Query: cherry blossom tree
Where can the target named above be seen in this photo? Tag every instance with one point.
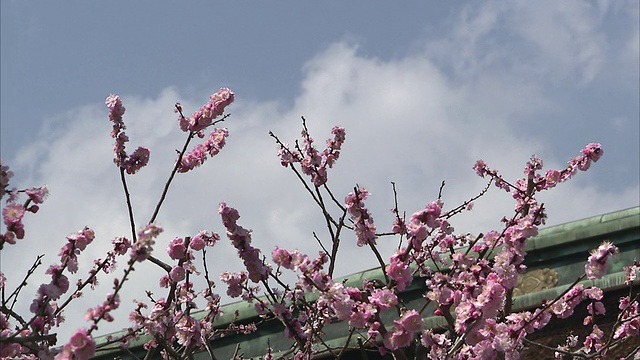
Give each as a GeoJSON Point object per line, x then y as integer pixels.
{"type": "Point", "coordinates": [469, 279]}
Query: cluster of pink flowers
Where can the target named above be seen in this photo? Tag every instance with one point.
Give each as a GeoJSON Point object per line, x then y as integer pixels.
{"type": "Point", "coordinates": [46, 312]}
{"type": "Point", "coordinates": [403, 330]}
{"type": "Point", "coordinates": [204, 117]}
{"type": "Point", "coordinates": [241, 239]}
{"type": "Point", "coordinates": [198, 155]}
{"type": "Point", "coordinates": [142, 248]}
{"type": "Point", "coordinates": [470, 280]}
{"type": "Point", "coordinates": [597, 262]}
{"type": "Point", "coordinates": [362, 219]}
{"type": "Point", "coordinates": [13, 212]}
{"type": "Point", "coordinates": [5, 176]}
{"type": "Point", "coordinates": [80, 347]}
{"type": "Point", "coordinates": [140, 157]}
{"type": "Point", "coordinates": [314, 163]}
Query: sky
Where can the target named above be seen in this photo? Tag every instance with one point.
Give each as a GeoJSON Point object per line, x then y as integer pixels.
{"type": "Point", "coordinates": [423, 89]}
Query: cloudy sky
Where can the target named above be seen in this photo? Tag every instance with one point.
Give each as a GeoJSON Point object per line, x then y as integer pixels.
{"type": "Point", "coordinates": [423, 90]}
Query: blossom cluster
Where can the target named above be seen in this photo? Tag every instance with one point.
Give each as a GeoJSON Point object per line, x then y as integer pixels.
{"type": "Point", "coordinates": [13, 212]}
{"type": "Point", "coordinates": [313, 162]}
{"type": "Point", "coordinates": [362, 219]}
{"type": "Point", "coordinates": [140, 156]}
{"type": "Point", "coordinates": [167, 319]}
{"type": "Point", "coordinates": [198, 155]}
{"type": "Point", "coordinates": [241, 239]}
{"type": "Point", "coordinates": [47, 314]}
{"type": "Point", "coordinates": [142, 248]}
{"type": "Point", "coordinates": [204, 117]}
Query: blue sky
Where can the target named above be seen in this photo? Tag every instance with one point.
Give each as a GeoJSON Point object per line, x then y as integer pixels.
{"type": "Point", "coordinates": [423, 90]}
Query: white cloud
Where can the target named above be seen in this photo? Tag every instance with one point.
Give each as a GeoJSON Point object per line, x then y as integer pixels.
{"type": "Point", "coordinates": [409, 120]}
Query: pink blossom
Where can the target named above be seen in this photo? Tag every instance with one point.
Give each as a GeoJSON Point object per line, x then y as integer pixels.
{"type": "Point", "coordinates": [12, 214]}
{"type": "Point", "coordinates": [313, 162]}
{"type": "Point", "coordinates": [59, 283]}
{"type": "Point", "coordinates": [383, 298]}
{"type": "Point", "coordinates": [141, 250]}
{"type": "Point", "coordinates": [552, 177]}
{"type": "Point", "coordinates": [593, 341]}
{"type": "Point", "coordinates": [481, 168]}
{"type": "Point", "coordinates": [235, 281]}
{"type": "Point", "coordinates": [288, 156]}
{"type": "Point", "coordinates": [428, 215]}
{"type": "Point", "coordinates": [177, 273]}
{"type": "Point", "coordinates": [399, 271]}
{"type": "Point", "coordinates": [82, 238]}
{"type": "Point", "coordinates": [37, 195]}
{"type": "Point", "coordinates": [466, 313]}
{"type": "Point", "coordinates": [121, 245]}
{"type": "Point", "coordinates": [411, 321]}
{"type": "Point", "coordinates": [397, 338]}
{"type": "Point", "coordinates": [137, 160]}
{"type": "Point", "coordinates": [492, 297]}
{"type": "Point", "coordinates": [177, 249]}
{"type": "Point", "coordinates": [203, 239]}
{"type": "Point", "coordinates": [80, 347]}
{"type": "Point", "coordinates": [102, 311]}
{"type": "Point", "coordinates": [593, 151]}
{"type": "Point", "coordinates": [631, 272]}
{"type": "Point", "coordinates": [282, 257]}
{"type": "Point", "coordinates": [360, 315]}
{"type": "Point", "coordinates": [629, 319]}
{"type": "Point", "coordinates": [597, 262]}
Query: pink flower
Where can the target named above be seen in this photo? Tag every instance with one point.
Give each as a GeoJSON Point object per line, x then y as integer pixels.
{"type": "Point", "coordinates": [235, 281]}
{"type": "Point", "coordinates": [399, 271]}
{"type": "Point", "coordinates": [282, 257]}
{"type": "Point", "coordinates": [383, 298]}
{"type": "Point", "coordinates": [429, 215]}
{"type": "Point", "coordinates": [593, 151]}
{"type": "Point", "coordinates": [177, 274]}
{"type": "Point", "coordinates": [80, 347]}
{"type": "Point", "coordinates": [361, 314]}
{"type": "Point", "coordinates": [552, 177]}
{"type": "Point", "coordinates": [177, 249]}
{"type": "Point", "coordinates": [12, 214]}
{"type": "Point", "coordinates": [593, 341]}
{"type": "Point", "coordinates": [411, 321]}
{"type": "Point", "coordinates": [82, 238]}
{"type": "Point", "coordinates": [141, 250]}
{"type": "Point", "coordinates": [121, 245]}
{"type": "Point", "coordinates": [629, 319]}
{"type": "Point", "coordinates": [481, 168]}
{"type": "Point", "coordinates": [631, 272]}
{"type": "Point", "coordinates": [397, 338]}
{"type": "Point", "coordinates": [597, 262]}
{"type": "Point", "coordinates": [137, 160]}
{"type": "Point", "coordinates": [37, 195]}
{"type": "Point", "coordinates": [203, 239]}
